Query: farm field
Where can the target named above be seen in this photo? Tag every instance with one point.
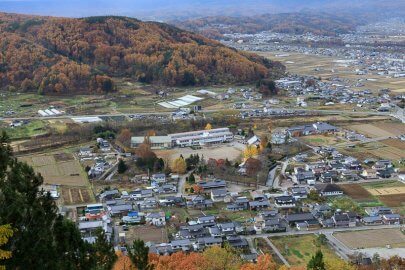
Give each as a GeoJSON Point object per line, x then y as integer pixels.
{"type": "Point", "coordinates": [327, 67]}
{"type": "Point", "coordinates": [229, 151]}
{"type": "Point", "coordinates": [76, 196]}
{"type": "Point", "coordinates": [317, 140]}
{"type": "Point", "coordinates": [378, 150]}
{"type": "Point", "coordinates": [371, 238]}
{"type": "Point", "coordinates": [379, 130]}
{"type": "Point", "coordinates": [299, 249]}
{"type": "Point", "coordinates": [58, 169]}
{"type": "Point", "coordinates": [356, 192]}
{"type": "Point", "coordinates": [387, 191]}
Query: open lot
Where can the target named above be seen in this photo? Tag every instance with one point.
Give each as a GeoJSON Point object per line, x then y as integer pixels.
{"type": "Point", "coordinates": [221, 151]}
{"type": "Point", "coordinates": [146, 233]}
{"type": "Point", "coordinates": [56, 171]}
{"type": "Point", "coordinates": [299, 249]}
{"type": "Point", "coordinates": [371, 238]}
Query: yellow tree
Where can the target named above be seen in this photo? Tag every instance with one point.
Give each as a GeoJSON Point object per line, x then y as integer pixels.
{"type": "Point", "coordinates": [5, 233]}
{"type": "Point", "coordinates": [337, 264]}
{"type": "Point", "coordinates": [250, 151]}
{"type": "Point", "coordinates": [208, 126]}
{"type": "Point", "coordinates": [217, 258]}
{"type": "Point", "coordinates": [264, 262]}
{"type": "Point", "coordinates": [179, 165]}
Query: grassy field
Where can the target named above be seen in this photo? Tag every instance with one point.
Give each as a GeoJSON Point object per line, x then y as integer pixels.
{"type": "Point", "coordinates": [372, 238]}
{"type": "Point", "coordinates": [26, 131]}
{"type": "Point", "coordinates": [299, 249]}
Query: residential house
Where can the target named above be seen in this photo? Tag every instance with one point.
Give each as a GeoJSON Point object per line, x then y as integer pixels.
{"type": "Point", "coordinates": [218, 195]}
{"type": "Point", "coordinates": [299, 193]}
{"type": "Point", "coordinates": [166, 188]}
{"type": "Point", "coordinates": [156, 218]}
{"type": "Point", "coordinates": [210, 185]}
{"type": "Point", "coordinates": [85, 151]}
{"type": "Point", "coordinates": [391, 219]}
{"type": "Point", "coordinates": [159, 178]}
{"type": "Point", "coordinates": [299, 217]}
{"type": "Point", "coordinates": [378, 211]}
{"type": "Point", "coordinates": [372, 220]}
{"type": "Point", "coordinates": [238, 242]}
{"type": "Point", "coordinates": [181, 245]}
{"type": "Point", "coordinates": [120, 210]}
{"type": "Point", "coordinates": [258, 205]}
{"type": "Point", "coordinates": [327, 190]}
{"type": "Point", "coordinates": [141, 194]}
{"type": "Point", "coordinates": [147, 204]}
{"type": "Point", "coordinates": [321, 211]}
{"type": "Point", "coordinates": [284, 201]}
{"type": "Point", "coordinates": [200, 202]}
{"type": "Point", "coordinates": [205, 242]}
{"type": "Point", "coordinates": [206, 221]}
{"type": "Point", "coordinates": [344, 219]}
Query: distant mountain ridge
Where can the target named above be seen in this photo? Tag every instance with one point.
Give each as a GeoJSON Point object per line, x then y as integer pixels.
{"type": "Point", "coordinates": [294, 23]}
{"type": "Point", "coordinates": [64, 55]}
{"type": "Point", "coordinates": [186, 9]}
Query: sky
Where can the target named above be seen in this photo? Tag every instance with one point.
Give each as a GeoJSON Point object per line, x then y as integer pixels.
{"type": "Point", "coordinates": [169, 9]}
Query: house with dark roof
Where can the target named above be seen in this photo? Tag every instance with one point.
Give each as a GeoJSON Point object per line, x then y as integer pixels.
{"type": "Point", "coordinates": [208, 241]}
{"type": "Point", "coordinates": [284, 201]}
{"type": "Point", "coordinates": [327, 190]}
{"type": "Point", "coordinates": [292, 219]}
{"type": "Point", "coordinates": [206, 221]}
{"type": "Point", "coordinates": [238, 242]}
{"type": "Point", "coordinates": [207, 186]}
{"type": "Point", "coordinates": [299, 193]}
{"type": "Point", "coordinates": [181, 245]}
{"type": "Point", "coordinates": [344, 219]}
{"type": "Point", "coordinates": [218, 195]}
{"type": "Point", "coordinates": [258, 205]}
{"type": "Point", "coordinates": [372, 220]}
{"type": "Point", "coordinates": [391, 219]}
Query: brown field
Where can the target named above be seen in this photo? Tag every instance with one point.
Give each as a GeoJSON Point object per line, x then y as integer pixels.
{"type": "Point", "coordinates": [371, 238]}
{"type": "Point", "coordinates": [356, 191]}
{"type": "Point", "coordinates": [396, 200]}
{"type": "Point", "coordinates": [76, 196]}
{"type": "Point", "coordinates": [57, 172]}
{"type": "Point", "coordinates": [396, 143]}
{"type": "Point", "coordinates": [380, 130]}
{"type": "Point", "coordinates": [63, 157]}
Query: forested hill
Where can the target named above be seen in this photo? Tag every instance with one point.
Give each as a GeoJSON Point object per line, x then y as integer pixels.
{"type": "Point", "coordinates": [63, 55]}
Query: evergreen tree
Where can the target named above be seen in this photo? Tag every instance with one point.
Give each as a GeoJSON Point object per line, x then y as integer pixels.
{"type": "Point", "coordinates": [104, 251]}
{"type": "Point", "coordinates": [122, 167]}
{"type": "Point", "coordinates": [191, 178]}
{"type": "Point", "coordinates": [139, 255]}
{"type": "Point", "coordinates": [42, 239]}
{"type": "Point", "coordinates": [316, 262]}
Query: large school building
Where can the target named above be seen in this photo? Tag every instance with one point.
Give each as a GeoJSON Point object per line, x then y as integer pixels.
{"type": "Point", "coordinates": [186, 139]}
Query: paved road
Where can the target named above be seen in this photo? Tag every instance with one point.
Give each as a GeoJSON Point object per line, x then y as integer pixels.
{"type": "Point", "coordinates": [271, 177]}
{"type": "Point", "coordinates": [180, 186]}
{"type": "Point", "coordinates": [203, 111]}
{"type": "Point", "coordinates": [323, 231]}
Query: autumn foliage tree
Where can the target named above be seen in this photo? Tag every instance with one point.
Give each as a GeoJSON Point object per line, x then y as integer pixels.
{"type": "Point", "coordinates": [61, 55]}
{"type": "Point", "coordinates": [179, 165]}
{"type": "Point", "coordinates": [5, 233]}
{"type": "Point", "coordinates": [250, 151]}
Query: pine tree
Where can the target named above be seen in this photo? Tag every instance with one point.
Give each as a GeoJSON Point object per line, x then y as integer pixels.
{"type": "Point", "coordinates": [122, 167]}
{"type": "Point", "coordinates": [316, 262]}
{"type": "Point", "coordinates": [104, 251]}
{"type": "Point", "coordinates": [139, 255]}
{"type": "Point", "coordinates": [191, 178]}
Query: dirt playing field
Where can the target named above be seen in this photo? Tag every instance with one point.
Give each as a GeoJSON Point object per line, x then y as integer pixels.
{"type": "Point", "coordinates": [379, 130]}
{"type": "Point", "coordinates": [371, 238]}
{"type": "Point", "coordinates": [229, 151]}
{"type": "Point", "coordinates": [57, 169]}
{"type": "Point", "coordinates": [356, 192]}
